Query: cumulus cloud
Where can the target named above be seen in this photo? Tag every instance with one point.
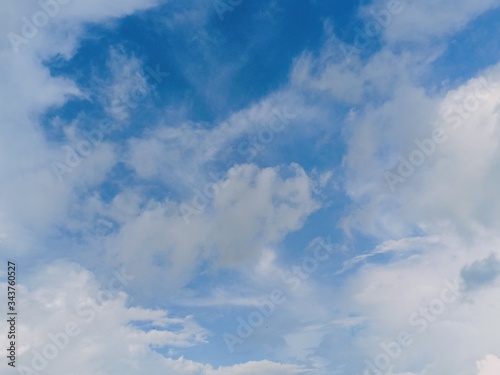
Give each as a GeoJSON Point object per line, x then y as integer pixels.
{"type": "Point", "coordinates": [230, 226]}
{"type": "Point", "coordinates": [392, 158]}
{"type": "Point", "coordinates": [490, 365]}
{"type": "Point", "coordinates": [446, 201]}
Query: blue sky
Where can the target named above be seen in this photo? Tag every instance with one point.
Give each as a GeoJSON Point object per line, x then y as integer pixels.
{"type": "Point", "coordinates": [231, 187]}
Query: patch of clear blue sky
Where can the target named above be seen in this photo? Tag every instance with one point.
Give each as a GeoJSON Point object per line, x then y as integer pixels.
{"type": "Point", "coordinates": [261, 45]}
{"type": "Point", "coordinates": [468, 52]}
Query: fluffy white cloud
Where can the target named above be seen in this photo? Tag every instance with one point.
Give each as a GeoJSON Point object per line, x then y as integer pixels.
{"type": "Point", "coordinates": [454, 138]}
{"type": "Point", "coordinates": [451, 135]}
{"type": "Point", "coordinates": [446, 204]}
{"type": "Point", "coordinates": [490, 365]}
{"type": "Point", "coordinates": [418, 293]}
{"type": "Point", "coordinates": [33, 199]}
{"type": "Point", "coordinates": [229, 224]}
{"type": "Point", "coordinates": [67, 320]}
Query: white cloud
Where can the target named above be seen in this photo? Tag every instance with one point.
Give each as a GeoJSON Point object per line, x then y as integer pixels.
{"type": "Point", "coordinates": [33, 199]}
{"type": "Point", "coordinates": [468, 156]}
{"type": "Point", "coordinates": [251, 208]}
{"type": "Point", "coordinates": [262, 367]}
{"type": "Point", "coordinates": [395, 297]}
{"type": "Point", "coordinates": [56, 29]}
{"type": "Point", "coordinates": [490, 365]}
{"type": "Point", "coordinates": [448, 203]}
{"type": "Point", "coordinates": [157, 153]}
{"type": "Point", "coordinates": [105, 327]}
{"type": "Point", "coordinates": [420, 21]}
